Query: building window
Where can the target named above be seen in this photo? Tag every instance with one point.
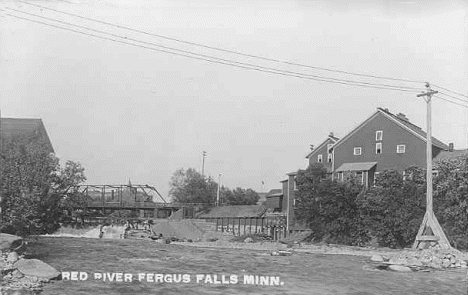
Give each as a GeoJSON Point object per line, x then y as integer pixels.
{"type": "Point", "coordinates": [401, 149]}
{"type": "Point", "coordinates": [295, 184]}
{"type": "Point", "coordinates": [330, 157]}
{"type": "Point", "coordinates": [357, 151]}
{"type": "Point", "coordinates": [320, 158]}
{"type": "Point", "coordinates": [329, 146]}
{"type": "Point", "coordinates": [378, 135]}
{"type": "Point", "coordinates": [378, 148]}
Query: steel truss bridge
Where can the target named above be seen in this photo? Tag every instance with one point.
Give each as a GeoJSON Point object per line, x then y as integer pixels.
{"type": "Point", "coordinates": [137, 197]}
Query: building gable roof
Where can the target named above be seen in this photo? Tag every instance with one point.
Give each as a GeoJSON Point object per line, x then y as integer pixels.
{"type": "Point", "coordinates": [410, 127]}
{"type": "Point", "coordinates": [331, 138]}
{"type": "Point", "coordinates": [11, 127]}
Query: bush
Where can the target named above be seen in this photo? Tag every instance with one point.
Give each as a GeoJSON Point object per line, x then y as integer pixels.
{"type": "Point", "coordinates": [393, 210]}
{"type": "Point", "coordinates": [329, 207]}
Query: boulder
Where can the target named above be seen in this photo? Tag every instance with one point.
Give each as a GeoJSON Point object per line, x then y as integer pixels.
{"type": "Point", "coordinates": [12, 257]}
{"type": "Point", "coordinates": [248, 240]}
{"type": "Point", "coordinates": [36, 268]}
{"type": "Point", "coordinates": [377, 258]}
{"type": "Point", "coordinates": [10, 242]}
{"type": "Point", "coordinates": [399, 268]}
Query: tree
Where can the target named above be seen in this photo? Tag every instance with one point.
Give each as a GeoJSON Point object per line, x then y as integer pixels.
{"type": "Point", "coordinates": [329, 207]}
{"type": "Point", "coordinates": [240, 196]}
{"type": "Point", "coordinates": [33, 186]}
{"type": "Point", "coordinates": [451, 199]}
{"type": "Point", "coordinates": [189, 186]}
{"type": "Point", "coordinates": [393, 209]}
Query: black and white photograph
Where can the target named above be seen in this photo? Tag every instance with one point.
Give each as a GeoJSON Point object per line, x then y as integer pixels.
{"type": "Point", "coordinates": [270, 147]}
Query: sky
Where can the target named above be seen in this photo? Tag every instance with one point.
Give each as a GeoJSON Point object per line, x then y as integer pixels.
{"type": "Point", "coordinates": [133, 113]}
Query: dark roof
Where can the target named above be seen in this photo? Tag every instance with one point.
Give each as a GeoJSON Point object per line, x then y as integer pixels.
{"type": "Point", "coordinates": [234, 211]}
{"type": "Point", "coordinates": [358, 166]}
{"type": "Point", "coordinates": [416, 129]}
{"type": "Point", "coordinates": [11, 127]}
{"type": "Point", "coordinates": [444, 155]}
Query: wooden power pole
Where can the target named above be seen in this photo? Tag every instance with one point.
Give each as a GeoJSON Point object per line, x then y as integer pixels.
{"type": "Point", "coordinates": [430, 232]}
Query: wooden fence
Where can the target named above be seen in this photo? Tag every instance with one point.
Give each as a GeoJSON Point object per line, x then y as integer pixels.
{"type": "Point", "coordinates": [238, 226]}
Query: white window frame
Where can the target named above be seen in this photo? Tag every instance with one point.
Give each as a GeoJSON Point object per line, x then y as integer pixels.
{"type": "Point", "coordinates": [329, 146]}
{"type": "Point", "coordinates": [399, 151]}
{"type": "Point", "coordinates": [356, 149]}
{"type": "Point", "coordinates": [378, 135]}
{"type": "Point", "coordinates": [378, 146]}
{"type": "Point", "coordinates": [320, 158]}
{"type": "Point", "coordinates": [295, 183]}
{"type": "Point", "coordinates": [330, 158]}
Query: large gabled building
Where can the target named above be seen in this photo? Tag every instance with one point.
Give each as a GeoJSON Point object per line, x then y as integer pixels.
{"type": "Point", "coordinates": [323, 153]}
{"type": "Point", "coordinates": [384, 141]}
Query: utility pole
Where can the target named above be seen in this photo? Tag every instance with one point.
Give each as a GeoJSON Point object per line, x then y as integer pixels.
{"type": "Point", "coordinates": [219, 186]}
{"type": "Point", "coordinates": [203, 163]}
{"type": "Point", "coordinates": [430, 232]}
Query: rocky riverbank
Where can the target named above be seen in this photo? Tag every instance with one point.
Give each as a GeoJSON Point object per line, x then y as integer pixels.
{"type": "Point", "coordinates": [19, 273]}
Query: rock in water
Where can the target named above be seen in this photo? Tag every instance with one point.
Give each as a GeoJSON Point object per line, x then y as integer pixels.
{"type": "Point", "coordinates": [8, 242]}
{"type": "Point", "coordinates": [36, 268]}
{"type": "Point", "coordinates": [12, 257]}
{"type": "Point", "coordinates": [248, 240]}
{"type": "Point", "coordinates": [399, 268]}
{"type": "Point", "coordinates": [377, 258]}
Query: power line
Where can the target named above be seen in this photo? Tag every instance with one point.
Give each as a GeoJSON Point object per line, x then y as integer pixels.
{"type": "Point", "coordinates": [451, 96]}
{"type": "Point", "coordinates": [222, 49]}
{"type": "Point", "coordinates": [457, 93]}
{"type": "Point", "coordinates": [450, 101]}
{"type": "Point", "coordinates": [231, 63]}
{"type": "Point", "coordinates": [213, 57]}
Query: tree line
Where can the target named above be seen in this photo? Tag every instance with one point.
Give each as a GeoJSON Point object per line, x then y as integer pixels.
{"type": "Point", "coordinates": [390, 212]}
{"type": "Point", "coordinates": [190, 186]}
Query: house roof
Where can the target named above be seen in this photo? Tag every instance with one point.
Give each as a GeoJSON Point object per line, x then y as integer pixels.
{"type": "Point", "coordinates": [234, 211]}
{"type": "Point", "coordinates": [358, 166]}
{"type": "Point", "coordinates": [415, 129]}
{"type": "Point", "coordinates": [410, 127]}
{"type": "Point", "coordinates": [330, 137]}
{"type": "Point", "coordinates": [11, 127]}
{"type": "Point", "coordinates": [444, 155]}
{"type": "Point", "coordinates": [274, 192]}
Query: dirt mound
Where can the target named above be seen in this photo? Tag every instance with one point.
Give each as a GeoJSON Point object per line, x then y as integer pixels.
{"type": "Point", "coordinates": [184, 229]}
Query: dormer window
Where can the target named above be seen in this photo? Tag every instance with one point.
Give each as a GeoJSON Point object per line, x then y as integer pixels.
{"type": "Point", "coordinates": [378, 148]}
{"type": "Point", "coordinates": [320, 158]}
{"type": "Point", "coordinates": [357, 151]}
{"type": "Point", "coordinates": [378, 135]}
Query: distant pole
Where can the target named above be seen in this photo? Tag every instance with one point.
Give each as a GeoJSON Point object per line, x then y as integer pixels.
{"type": "Point", "coordinates": [203, 163]}
{"type": "Point", "coordinates": [430, 232]}
{"type": "Point", "coordinates": [219, 186]}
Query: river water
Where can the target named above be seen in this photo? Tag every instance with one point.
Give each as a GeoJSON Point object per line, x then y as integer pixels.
{"type": "Point", "coordinates": [146, 267]}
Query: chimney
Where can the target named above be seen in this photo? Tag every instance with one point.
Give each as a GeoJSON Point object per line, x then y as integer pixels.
{"type": "Point", "coordinates": [331, 134]}
{"type": "Point", "coordinates": [402, 117]}
{"type": "Point", "coordinates": [451, 147]}
{"type": "Point", "coordinates": [311, 147]}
